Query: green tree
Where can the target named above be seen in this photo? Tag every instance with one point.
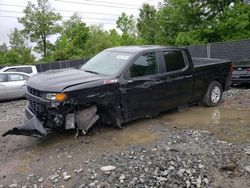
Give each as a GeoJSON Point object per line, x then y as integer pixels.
{"type": "Point", "coordinates": [19, 44]}
{"type": "Point", "coordinates": [234, 24]}
{"type": "Point", "coordinates": [127, 25]}
{"type": "Point", "coordinates": [40, 22]}
{"type": "Point", "coordinates": [97, 41]}
{"type": "Point", "coordinates": [178, 16]}
{"type": "Point", "coordinates": [146, 23]}
{"type": "Point", "coordinates": [11, 57]}
{"type": "Point", "coordinates": [3, 48]}
{"type": "Point", "coordinates": [71, 43]}
{"type": "Point", "coordinates": [17, 41]}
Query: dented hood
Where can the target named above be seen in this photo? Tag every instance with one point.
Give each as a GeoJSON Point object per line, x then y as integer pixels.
{"type": "Point", "coordinates": [57, 80]}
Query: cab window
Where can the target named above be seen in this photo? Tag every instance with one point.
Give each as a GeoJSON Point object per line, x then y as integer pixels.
{"type": "Point", "coordinates": [2, 78]}
{"type": "Point", "coordinates": [17, 77]}
{"type": "Point", "coordinates": [27, 70]}
{"type": "Point", "coordinates": [144, 65]}
{"type": "Point", "coordinates": [174, 60]}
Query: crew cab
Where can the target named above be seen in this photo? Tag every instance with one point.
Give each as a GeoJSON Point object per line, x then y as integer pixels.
{"type": "Point", "coordinates": [119, 85]}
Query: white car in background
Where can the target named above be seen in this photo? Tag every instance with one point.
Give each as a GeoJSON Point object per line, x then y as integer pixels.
{"type": "Point", "coordinates": [12, 85]}
{"type": "Point", "coordinates": [28, 69]}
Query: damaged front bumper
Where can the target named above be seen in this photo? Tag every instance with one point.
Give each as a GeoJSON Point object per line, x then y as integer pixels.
{"type": "Point", "coordinates": [31, 127]}
{"type": "Point", "coordinates": [38, 127]}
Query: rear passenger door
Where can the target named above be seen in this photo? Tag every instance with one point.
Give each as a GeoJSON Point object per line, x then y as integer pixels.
{"type": "Point", "coordinates": [175, 86]}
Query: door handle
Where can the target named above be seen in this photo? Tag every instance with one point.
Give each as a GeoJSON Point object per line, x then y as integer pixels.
{"type": "Point", "coordinates": [188, 76]}
{"type": "Point", "coordinates": [158, 81]}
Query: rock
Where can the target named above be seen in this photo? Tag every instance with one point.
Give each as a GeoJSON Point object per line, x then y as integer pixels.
{"type": "Point", "coordinates": [161, 179]}
{"type": "Point", "coordinates": [206, 180]}
{"type": "Point", "coordinates": [103, 185]}
{"type": "Point", "coordinates": [35, 186]}
{"type": "Point", "coordinates": [40, 180]}
{"type": "Point", "coordinates": [171, 168]}
{"type": "Point", "coordinates": [55, 180]}
{"type": "Point", "coordinates": [201, 166]}
{"type": "Point", "coordinates": [13, 185]}
{"type": "Point", "coordinates": [180, 172]}
{"type": "Point", "coordinates": [247, 150]}
{"type": "Point", "coordinates": [78, 170]}
{"type": "Point", "coordinates": [247, 168]}
{"type": "Point", "coordinates": [107, 168]}
{"type": "Point", "coordinates": [92, 184]}
{"type": "Point", "coordinates": [188, 184]}
{"type": "Point", "coordinates": [67, 177]}
{"type": "Point", "coordinates": [52, 177]}
{"type": "Point", "coordinates": [65, 173]}
{"type": "Point", "coordinates": [198, 182]}
{"type": "Point", "coordinates": [122, 177]}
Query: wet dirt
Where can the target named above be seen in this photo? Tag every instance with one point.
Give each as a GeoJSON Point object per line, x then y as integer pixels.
{"type": "Point", "coordinates": [230, 121]}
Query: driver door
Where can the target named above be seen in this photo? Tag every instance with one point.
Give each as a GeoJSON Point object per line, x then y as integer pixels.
{"type": "Point", "coordinates": [136, 91]}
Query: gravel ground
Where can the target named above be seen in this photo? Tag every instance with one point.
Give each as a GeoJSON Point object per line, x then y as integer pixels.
{"type": "Point", "coordinates": [148, 153]}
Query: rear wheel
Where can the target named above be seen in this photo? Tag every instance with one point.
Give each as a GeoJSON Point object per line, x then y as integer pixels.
{"type": "Point", "coordinates": [213, 95]}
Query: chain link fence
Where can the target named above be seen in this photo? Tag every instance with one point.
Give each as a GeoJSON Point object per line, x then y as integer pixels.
{"type": "Point", "coordinates": [234, 50]}
{"type": "Point", "coordinates": [60, 65]}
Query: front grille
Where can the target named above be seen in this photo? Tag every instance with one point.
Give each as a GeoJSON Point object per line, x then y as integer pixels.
{"type": "Point", "coordinates": [35, 92]}
{"type": "Point", "coordinates": [38, 108]}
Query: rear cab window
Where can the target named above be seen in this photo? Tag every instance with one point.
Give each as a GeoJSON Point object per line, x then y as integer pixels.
{"type": "Point", "coordinates": [27, 70]}
{"type": "Point", "coordinates": [174, 60]}
{"type": "Point", "coordinates": [144, 65]}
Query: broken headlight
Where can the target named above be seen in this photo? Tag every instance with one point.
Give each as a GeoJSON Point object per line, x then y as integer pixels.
{"type": "Point", "coordinates": [58, 97]}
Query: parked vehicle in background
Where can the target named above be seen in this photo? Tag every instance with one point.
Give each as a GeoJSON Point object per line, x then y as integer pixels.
{"type": "Point", "coordinates": [28, 69]}
{"type": "Point", "coordinates": [119, 85]}
{"type": "Point", "coordinates": [12, 85]}
{"type": "Point", "coordinates": [241, 72]}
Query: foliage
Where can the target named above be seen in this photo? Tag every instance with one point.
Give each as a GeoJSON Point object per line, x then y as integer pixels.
{"type": "Point", "coordinates": [234, 24]}
{"type": "Point", "coordinates": [126, 24]}
{"type": "Point", "coordinates": [40, 22]}
{"type": "Point", "coordinates": [146, 24]}
{"type": "Point", "coordinates": [11, 57]}
{"type": "Point", "coordinates": [71, 43]}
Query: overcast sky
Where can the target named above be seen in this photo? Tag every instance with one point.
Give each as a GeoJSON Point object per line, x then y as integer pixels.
{"type": "Point", "coordinates": [104, 12]}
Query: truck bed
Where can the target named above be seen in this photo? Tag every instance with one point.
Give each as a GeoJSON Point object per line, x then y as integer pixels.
{"type": "Point", "coordinates": [199, 62]}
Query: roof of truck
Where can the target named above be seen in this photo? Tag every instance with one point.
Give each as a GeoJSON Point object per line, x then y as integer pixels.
{"type": "Point", "coordinates": [140, 48]}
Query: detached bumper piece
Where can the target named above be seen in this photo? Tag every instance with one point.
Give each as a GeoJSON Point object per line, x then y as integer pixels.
{"type": "Point", "coordinates": [86, 118]}
{"type": "Point", "coordinates": [32, 127]}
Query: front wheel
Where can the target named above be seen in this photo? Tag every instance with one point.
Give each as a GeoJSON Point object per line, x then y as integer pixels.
{"type": "Point", "coordinates": [213, 95]}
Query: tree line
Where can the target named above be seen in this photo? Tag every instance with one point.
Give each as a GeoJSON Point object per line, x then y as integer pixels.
{"type": "Point", "coordinates": [173, 22]}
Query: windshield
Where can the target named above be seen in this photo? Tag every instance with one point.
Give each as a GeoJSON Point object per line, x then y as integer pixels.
{"type": "Point", "coordinates": [107, 62]}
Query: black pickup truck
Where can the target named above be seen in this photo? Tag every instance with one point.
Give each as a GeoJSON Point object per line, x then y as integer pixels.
{"type": "Point", "coordinates": [119, 85]}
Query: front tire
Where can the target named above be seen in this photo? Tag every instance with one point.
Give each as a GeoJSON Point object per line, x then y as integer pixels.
{"type": "Point", "coordinates": [213, 95]}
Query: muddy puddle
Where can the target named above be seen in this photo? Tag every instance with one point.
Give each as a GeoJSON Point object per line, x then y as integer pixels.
{"type": "Point", "coordinates": [230, 121]}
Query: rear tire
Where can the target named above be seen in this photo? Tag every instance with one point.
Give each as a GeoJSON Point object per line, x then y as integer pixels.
{"type": "Point", "coordinates": [213, 95]}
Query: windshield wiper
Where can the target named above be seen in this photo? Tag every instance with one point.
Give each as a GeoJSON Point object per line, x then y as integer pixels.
{"type": "Point", "coordinates": [91, 71]}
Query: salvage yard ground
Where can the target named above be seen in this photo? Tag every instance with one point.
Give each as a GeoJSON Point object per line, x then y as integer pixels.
{"type": "Point", "coordinates": [189, 147]}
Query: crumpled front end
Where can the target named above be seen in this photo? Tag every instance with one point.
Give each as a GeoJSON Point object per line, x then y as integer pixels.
{"type": "Point", "coordinates": [45, 115]}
